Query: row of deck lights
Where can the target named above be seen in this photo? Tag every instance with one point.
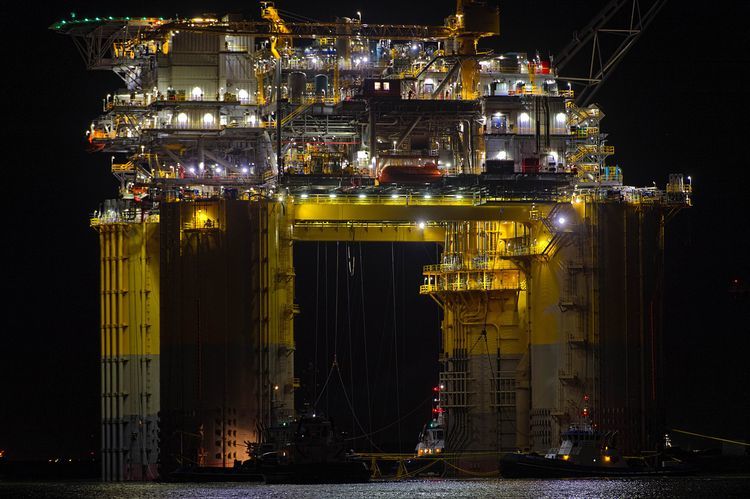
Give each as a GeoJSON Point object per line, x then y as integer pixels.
{"type": "Point", "coordinates": [333, 195]}
{"type": "Point", "coordinates": [216, 169]}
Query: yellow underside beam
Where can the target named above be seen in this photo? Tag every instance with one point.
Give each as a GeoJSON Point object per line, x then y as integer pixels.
{"type": "Point", "coordinates": [366, 212]}
{"type": "Point", "coordinates": [368, 233]}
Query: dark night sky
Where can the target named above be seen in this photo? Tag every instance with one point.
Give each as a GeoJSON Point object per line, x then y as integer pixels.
{"type": "Point", "coordinates": [677, 103]}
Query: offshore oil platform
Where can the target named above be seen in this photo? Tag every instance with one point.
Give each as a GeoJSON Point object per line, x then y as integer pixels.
{"type": "Point", "coordinates": [232, 139]}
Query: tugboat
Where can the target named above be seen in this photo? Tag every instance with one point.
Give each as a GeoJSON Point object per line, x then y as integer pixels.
{"type": "Point", "coordinates": [316, 454]}
{"type": "Point", "coordinates": [431, 439]}
{"type": "Point", "coordinates": [585, 451]}
{"type": "Point", "coordinates": [431, 445]}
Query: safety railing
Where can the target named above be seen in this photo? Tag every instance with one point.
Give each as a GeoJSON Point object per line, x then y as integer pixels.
{"type": "Point", "coordinates": [130, 103]}
{"type": "Point", "coordinates": [128, 215]}
{"type": "Point", "coordinates": [123, 167]}
{"type": "Point", "coordinates": [587, 131]}
{"type": "Point", "coordinates": [590, 150]}
{"type": "Point", "coordinates": [201, 224]}
{"type": "Point", "coordinates": [482, 283]}
{"type": "Point", "coordinates": [496, 262]}
{"type": "Point", "coordinates": [530, 90]}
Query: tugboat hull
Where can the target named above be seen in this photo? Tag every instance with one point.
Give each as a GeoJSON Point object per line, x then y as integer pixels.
{"type": "Point", "coordinates": [531, 466]}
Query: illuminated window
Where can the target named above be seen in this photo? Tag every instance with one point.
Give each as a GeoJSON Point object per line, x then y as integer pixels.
{"type": "Point", "coordinates": [197, 93]}
{"type": "Point", "coordinates": [182, 119]}
{"type": "Point", "coordinates": [377, 85]}
{"type": "Point", "coordinates": [208, 119]}
{"type": "Point", "coordinates": [243, 95]}
{"type": "Point", "coordinates": [524, 121]}
{"type": "Point", "coordinates": [386, 85]}
{"type": "Point", "coordinates": [499, 122]}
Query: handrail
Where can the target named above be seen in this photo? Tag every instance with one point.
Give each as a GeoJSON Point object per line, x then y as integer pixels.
{"type": "Point", "coordinates": [299, 110]}
{"type": "Point", "coordinates": [441, 268]}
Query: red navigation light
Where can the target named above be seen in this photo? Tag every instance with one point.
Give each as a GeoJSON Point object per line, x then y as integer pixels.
{"type": "Point", "coordinates": [586, 398]}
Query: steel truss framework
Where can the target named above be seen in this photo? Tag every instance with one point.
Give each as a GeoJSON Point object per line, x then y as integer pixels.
{"type": "Point", "coordinates": [610, 35]}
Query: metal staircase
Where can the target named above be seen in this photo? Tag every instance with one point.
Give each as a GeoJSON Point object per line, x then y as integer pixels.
{"type": "Point", "coordinates": [299, 110]}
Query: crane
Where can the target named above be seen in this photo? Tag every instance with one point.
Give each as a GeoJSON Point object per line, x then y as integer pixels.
{"type": "Point", "coordinates": [623, 20]}
{"type": "Point", "coordinates": [473, 20]}
{"type": "Point", "coordinates": [270, 13]}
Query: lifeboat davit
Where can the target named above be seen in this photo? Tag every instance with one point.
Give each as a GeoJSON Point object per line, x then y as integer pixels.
{"type": "Point", "coordinates": [410, 174]}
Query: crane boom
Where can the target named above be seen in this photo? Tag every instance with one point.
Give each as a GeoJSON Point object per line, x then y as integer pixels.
{"type": "Point", "coordinates": [623, 19]}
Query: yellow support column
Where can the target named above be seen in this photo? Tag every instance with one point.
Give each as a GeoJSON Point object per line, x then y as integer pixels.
{"type": "Point", "coordinates": [129, 349]}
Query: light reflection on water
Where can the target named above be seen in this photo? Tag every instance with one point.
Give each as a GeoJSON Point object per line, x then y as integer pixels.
{"type": "Point", "coordinates": [698, 487]}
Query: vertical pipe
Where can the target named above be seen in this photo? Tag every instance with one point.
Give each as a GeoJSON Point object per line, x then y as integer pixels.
{"type": "Point", "coordinates": [595, 285]}
{"type": "Point", "coordinates": [546, 122]}
{"type": "Point", "coordinates": [110, 355]}
{"type": "Point", "coordinates": [267, 304]}
{"type": "Point", "coordinates": [225, 374]}
{"type": "Point", "coordinates": [625, 282]}
{"type": "Point", "coordinates": [103, 304]}
{"type": "Point", "coordinates": [588, 261]}
{"type": "Point", "coordinates": [260, 297]}
{"type": "Point", "coordinates": [657, 349]}
{"type": "Point", "coordinates": [279, 159]}
{"type": "Point", "coordinates": [143, 407]}
{"type": "Point", "coordinates": [120, 354]}
{"type": "Point", "coordinates": [373, 136]}
{"type": "Point", "coordinates": [537, 124]}
{"type": "Point", "coordinates": [642, 316]}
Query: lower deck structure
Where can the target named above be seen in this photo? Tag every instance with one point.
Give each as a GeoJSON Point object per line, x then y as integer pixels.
{"type": "Point", "coordinates": [551, 309]}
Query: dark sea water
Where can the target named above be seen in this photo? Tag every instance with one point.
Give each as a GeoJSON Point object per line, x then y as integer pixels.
{"type": "Point", "coordinates": [692, 487]}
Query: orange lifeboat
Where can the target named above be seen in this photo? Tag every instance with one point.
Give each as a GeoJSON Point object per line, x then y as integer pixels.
{"type": "Point", "coordinates": [410, 174]}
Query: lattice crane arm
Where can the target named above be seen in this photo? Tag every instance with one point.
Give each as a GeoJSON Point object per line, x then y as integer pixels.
{"type": "Point", "coordinates": [602, 64]}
